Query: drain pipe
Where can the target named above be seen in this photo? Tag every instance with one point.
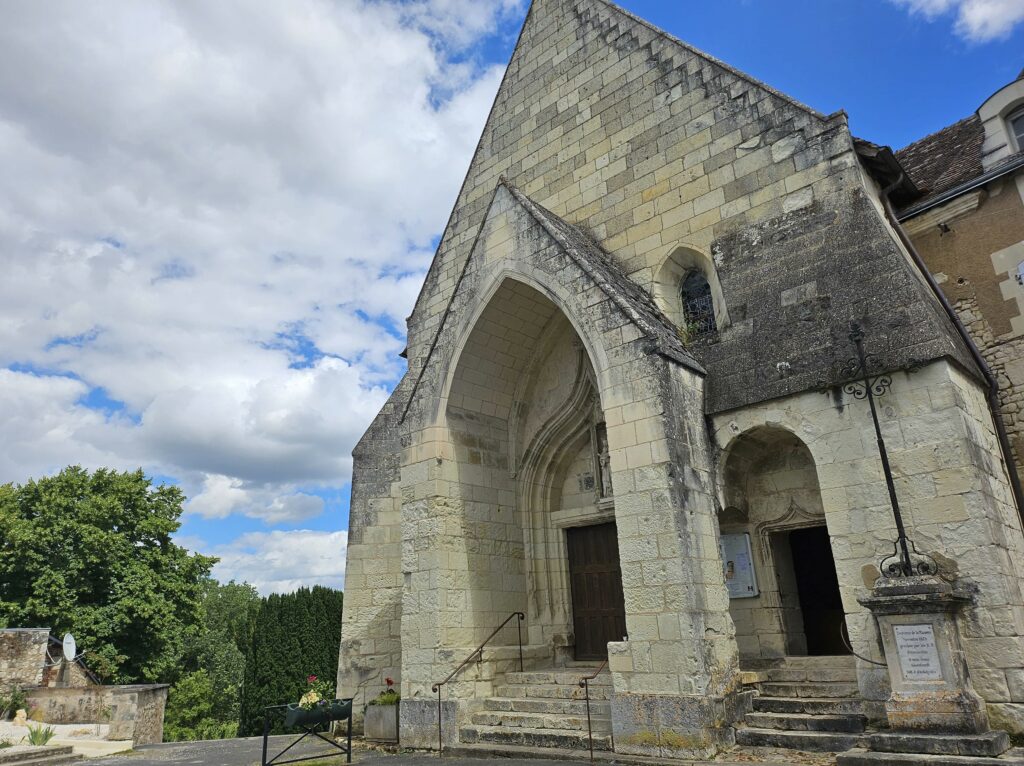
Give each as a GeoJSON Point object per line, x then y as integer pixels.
{"type": "Point", "coordinates": [992, 387]}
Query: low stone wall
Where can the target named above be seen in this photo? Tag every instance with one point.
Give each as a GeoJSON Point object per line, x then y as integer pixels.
{"type": "Point", "coordinates": [133, 712]}
{"type": "Point", "coordinates": [22, 656]}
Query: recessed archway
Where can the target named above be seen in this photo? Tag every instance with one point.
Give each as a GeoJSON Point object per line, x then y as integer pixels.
{"type": "Point", "coordinates": [787, 602]}
{"type": "Point", "coordinates": [523, 421]}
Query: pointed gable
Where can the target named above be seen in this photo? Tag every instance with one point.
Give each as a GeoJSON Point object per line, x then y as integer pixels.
{"type": "Point", "coordinates": [640, 144]}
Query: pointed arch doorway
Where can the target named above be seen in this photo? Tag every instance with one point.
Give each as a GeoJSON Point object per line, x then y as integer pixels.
{"type": "Point", "coordinates": [532, 468]}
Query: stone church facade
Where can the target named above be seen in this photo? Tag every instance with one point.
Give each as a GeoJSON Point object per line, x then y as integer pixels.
{"type": "Point", "coordinates": [627, 416]}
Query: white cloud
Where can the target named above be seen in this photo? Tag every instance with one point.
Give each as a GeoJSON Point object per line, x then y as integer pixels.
{"type": "Point", "coordinates": [280, 562]}
{"type": "Point", "coordinates": [220, 214]}
{"type": "Point", "coordinates": [976, 20]}
{"type": "Point", "coordinates": [222, 496]}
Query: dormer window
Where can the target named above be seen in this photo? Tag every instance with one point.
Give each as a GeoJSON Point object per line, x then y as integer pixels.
{"type": "Point", "coordinates": [698, 307]}
{"type": "Point", "coordinates": [1016, 123]}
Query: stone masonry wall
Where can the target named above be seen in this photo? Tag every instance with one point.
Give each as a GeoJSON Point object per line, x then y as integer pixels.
{"type": "Point", "coordinates": [133, 712]}
{"type": "Point", "coordinates": [954, 498]}
{"type": "Point", "coordinates": [22, 656]}
{"type": "Point", "coordinates": [648, 146]}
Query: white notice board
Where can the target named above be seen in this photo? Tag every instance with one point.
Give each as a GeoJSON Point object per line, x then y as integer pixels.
{"type": "Point", "coordinates": [738, 565]}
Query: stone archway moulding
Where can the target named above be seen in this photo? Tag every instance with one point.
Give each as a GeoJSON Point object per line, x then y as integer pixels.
{"type": "Point", "coordinates": [490, 282]}
{"type": "Point", "coordinates": [679, 259]}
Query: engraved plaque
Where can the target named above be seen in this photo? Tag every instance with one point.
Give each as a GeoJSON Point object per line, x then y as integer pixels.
{"type": "Point", "coordinates": [919, 658]}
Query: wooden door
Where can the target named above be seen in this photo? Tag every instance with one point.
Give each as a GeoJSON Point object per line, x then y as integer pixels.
{"type": "Point", "coordinates": [598, 612]}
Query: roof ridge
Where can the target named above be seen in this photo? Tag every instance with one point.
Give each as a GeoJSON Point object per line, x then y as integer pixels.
{"type": "Point", "coordinates": [714, 60]}
{"type": "Point", "coordinates": [551, 222]}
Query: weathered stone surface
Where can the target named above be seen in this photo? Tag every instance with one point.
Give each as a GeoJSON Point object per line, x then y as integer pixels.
{"type": "Point", "coordinates": [555, 381]}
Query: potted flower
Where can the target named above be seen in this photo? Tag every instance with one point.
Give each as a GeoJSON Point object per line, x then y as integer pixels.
{"type": "Point", "coordinates": [317, 705]}
{"type": "Point", "coordinates": [381, 722]}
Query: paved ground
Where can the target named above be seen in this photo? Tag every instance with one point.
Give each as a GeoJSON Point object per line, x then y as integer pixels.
{"type": "Point", "coordinates": [246, 752]}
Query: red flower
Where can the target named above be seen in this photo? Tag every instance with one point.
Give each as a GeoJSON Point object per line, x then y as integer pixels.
{"type": "Point", "coordinates": [390, 682]}
{"type": "Point", "coordinates": [311, 680]}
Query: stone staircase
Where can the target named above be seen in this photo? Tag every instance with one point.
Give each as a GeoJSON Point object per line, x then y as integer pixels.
{"type": "Point", "coordinates": [37, 756]}
{"type": "Point", "coordinates": [544, 708]}
{"type": "Point", "coordinates": [807, 703]}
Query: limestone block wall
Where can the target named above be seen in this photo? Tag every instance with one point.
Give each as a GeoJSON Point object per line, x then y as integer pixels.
{"type": "Point", "coordinates": [954, 497]}
{"type": "Point", "coordinates": [133, 712]}
{"type": "Point", "coordinates": [647, 146]}
{"type": "Point", "coordinates": [22, 656]}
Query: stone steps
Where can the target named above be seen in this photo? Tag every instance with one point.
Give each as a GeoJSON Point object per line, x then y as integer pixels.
{"type": "Point", "coordinates": [541, 721]}
{"type": "Point", "coordinates": [525, 737]}
{"type": "Point", "coordinates": [803, 675]}
{"type": "Point", "coordinates": [38, 756]}
{"type": "Point", "coordinates": [847, 724]}
{"type": "Point", "coordinates": [830, 690]}
{"type": "Point", "coordinates": [812, 741]}
{"type": "Point", "coordinates": [557, 677]}
{"type": "Point", "coordinates": [552, 691]}
{"type": "Point", "coordinates": [1014, 757]}
{"type": "Point", "coordinates": [807, 703]}
{"type": "Point", "coordinates": [990, 744]}
{"type": "Point", "coordinates": [543, 709]}
{"type": "Point", "coordinates": [810, 705]}
{"type": "Point", "coordinates": [540, 705]}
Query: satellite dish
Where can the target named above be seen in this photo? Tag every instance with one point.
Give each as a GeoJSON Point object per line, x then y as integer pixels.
{"type": "Point", "coordinates": [70, 647]}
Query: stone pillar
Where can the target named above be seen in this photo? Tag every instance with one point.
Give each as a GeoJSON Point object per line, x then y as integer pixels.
{"type": "Point", "coordinates": [931, 687]}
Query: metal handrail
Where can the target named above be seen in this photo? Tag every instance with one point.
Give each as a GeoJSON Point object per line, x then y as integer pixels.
{"type": "Point", "coordinates": [585, 685]}
{"type": "Point", "coordinates": [479, 654]}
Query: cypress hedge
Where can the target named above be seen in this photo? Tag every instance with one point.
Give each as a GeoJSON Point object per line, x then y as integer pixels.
{"type": "Point", "coordinates": [295, 635]}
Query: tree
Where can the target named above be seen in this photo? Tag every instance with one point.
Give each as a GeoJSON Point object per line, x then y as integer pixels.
{"type": "Point", "coordinates": [295, 635]}
{"type": "Point", "coordinates": [92, 554]}
{"type": "Point", "coordinates": [193, 715]}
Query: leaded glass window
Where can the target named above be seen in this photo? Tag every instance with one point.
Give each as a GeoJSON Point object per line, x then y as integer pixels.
{"type": "Point", "coordinates": [698, 308]}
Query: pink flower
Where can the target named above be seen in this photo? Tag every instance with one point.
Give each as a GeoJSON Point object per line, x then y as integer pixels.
{"type": "Point", "coordinates": [311, 679]}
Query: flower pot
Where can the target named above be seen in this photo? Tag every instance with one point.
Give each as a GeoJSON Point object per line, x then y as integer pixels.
{"type": "Point", "coordinates": [332, 710]}
{"type": "Point", "coordinates": [381, 723]}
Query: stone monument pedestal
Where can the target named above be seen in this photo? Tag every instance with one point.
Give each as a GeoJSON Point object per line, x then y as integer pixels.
{"type": "Point", "coordinates": [934, 713]}
{"type": "Point", "coordinates": [931, 688]}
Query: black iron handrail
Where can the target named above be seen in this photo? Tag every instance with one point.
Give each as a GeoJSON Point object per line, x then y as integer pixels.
{"type": "Point", "coordinates": [479, 654]}
{"type": "Point", "coordinates": [585, 685]}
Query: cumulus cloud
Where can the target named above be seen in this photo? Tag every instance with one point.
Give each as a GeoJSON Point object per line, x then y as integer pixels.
{"type": "Point", "coordinates": [976, 20]}
{"type": "Point", "coordinates": [280, 562]}
{"type": "Point", "coordinates": [215, 219]}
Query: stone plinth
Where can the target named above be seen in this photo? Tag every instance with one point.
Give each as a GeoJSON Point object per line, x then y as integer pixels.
{"type": "Point", "coordinates": [931, 688]}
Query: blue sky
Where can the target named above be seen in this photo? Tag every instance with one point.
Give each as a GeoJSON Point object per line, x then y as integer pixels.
{"type": "Point", "coordinates": [216, 218]}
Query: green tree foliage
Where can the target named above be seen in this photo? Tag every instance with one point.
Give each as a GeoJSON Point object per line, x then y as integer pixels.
{"type": "Point", "coordinates": [92, 554]}
{"type": "Point", "coordinates": [218, 654]}
{"type": "Point", "coordinates": [192, 711]}
{"type": "Point", "coordinates": [294, 636]}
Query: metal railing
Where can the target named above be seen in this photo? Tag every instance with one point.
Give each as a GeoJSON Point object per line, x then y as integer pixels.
{"type": "Point", "coordinates": [477, 653]}
{"type": "Point", "coordinates": [585, 685]}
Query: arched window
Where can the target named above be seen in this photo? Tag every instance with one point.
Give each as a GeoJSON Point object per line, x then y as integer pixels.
{"type": "Point", "coordinates": [698, 307]}
{"type": "Point", "coordinates": [1016, 123]}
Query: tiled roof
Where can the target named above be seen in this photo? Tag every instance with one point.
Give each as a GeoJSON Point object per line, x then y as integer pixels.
{"type": "Point", "coordinates": [945, 159]}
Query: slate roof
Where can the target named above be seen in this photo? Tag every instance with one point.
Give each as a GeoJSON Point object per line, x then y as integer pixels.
{"type": "Point", "coordinates": [946, 158]}
{"type": "Point", "coordinates": [630, 297]}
